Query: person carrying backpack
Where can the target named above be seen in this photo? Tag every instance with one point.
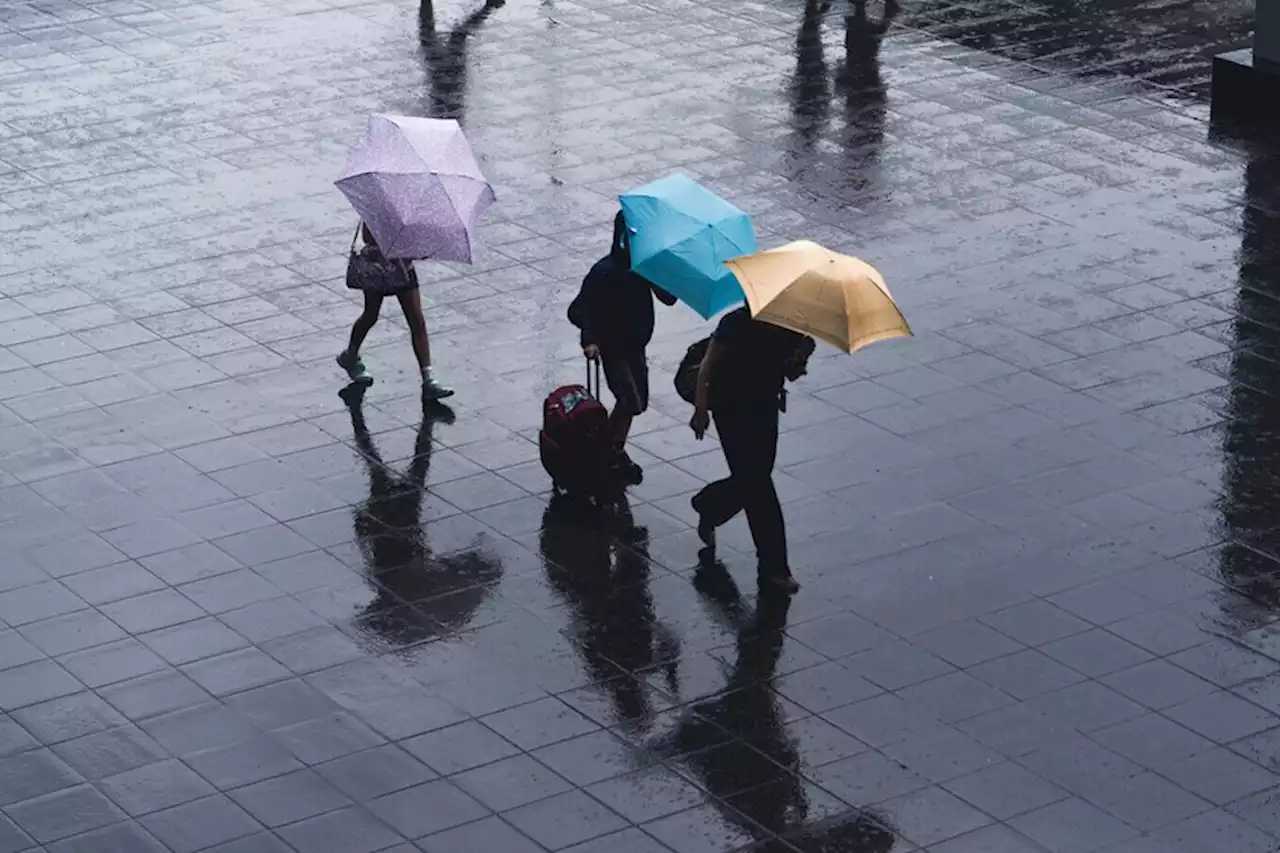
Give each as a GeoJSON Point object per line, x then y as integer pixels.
{"type": "Point", "coordinates": [614, 313]}
{"type": "Point", "coordinates": [740, 384]}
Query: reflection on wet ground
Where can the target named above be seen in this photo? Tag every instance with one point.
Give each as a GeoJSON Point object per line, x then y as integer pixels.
{"type": "Point", "coordinates": [243, 614]}
{"type": "Point", "coordinates": [419, 596]}
{"type": "Point", "coordinates": [1163, 44]}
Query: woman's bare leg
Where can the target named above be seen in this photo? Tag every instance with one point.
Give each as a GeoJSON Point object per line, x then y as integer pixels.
{"type": "Point", "coordinates": [411, 304]}
{"type": "Point", "coordinates": [364, 323]}
{"type": "Point", "coordinates": [349, 360]}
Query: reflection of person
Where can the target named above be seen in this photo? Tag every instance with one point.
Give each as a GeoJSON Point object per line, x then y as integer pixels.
{"type": "Point", "coordinates": [755, 778]}
{"type": "Point", "coordinates": [406, 292]}
{"type": "Point", "coordinates": [859, 80]}
{"type": "Point", "coordinates": [420, 595]}
{"type": "Point", "coordinates": [598, 562]}
{"type": "Point", "coordinates": [447, 62]}
{"type": "Point", "coordinates": [614, 311]}
{"type": "Point", "coordinates": [747, 708]}
{"type": "Point", "coordinates": [741, 383]}
{"type": "Point", "coordinates": [810, 88]}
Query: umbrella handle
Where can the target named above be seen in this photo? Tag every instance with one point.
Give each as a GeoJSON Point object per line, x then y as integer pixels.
{"type": "Point", "coordinates": [593, 390]}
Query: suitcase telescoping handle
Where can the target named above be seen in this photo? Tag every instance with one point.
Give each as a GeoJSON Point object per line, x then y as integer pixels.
{"type": "Point", "coordinates": [593, 388]}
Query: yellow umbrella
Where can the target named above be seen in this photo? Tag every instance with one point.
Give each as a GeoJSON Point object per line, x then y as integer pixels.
{"type": "Point", "coordinates": [809, 289]}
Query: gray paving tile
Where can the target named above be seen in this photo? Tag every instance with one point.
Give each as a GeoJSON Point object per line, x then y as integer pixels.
{"type": "Point", "coordinates": [427, 808]}
{"type": "Point", "coordinates": [647, 794]}
{"type": "Point", "coordinates": [480, 836]}
{"type": "Point", "coordinates": [968, 643]}
{"type": "Point", "coordinates": [460, 747]}
{"type": "Point", "coordinates": [991, 839]}
{"type": "Point", "coordinates": [1035, 623]}
{"type": "Point", "coordinates": [1087, 706]}
{"type": "Point", "coordinates": [262, 843]}
{"type": "Point", "coordinates": [941, 754]}
{"type": "Point", "coordinates": [1005, 790]}
{"type": "Point", "coordinates": [1072, 825]}
{"type": "Point", "coordinates": [954, 697]}
{"type": "Point", "coordinates": [55, 816]}
{"type": "Point", "coordinates": [1026, 674]}
{"type": "Point", "coordinates": [1152, 802]}
{"type": "Point", "coordinates": [825, 687]}
{"type": "Point", "coordinates": [1222, 716]}
{"type": "Point", "coordinates": [124, 837]}
{"type": "Point", "coordinates": [1158, 684]}
{"type": "Point", "coordinates": [932, 815]}
{"type": "Point", "coordinates": [1152, 740]}
{"type": "Point", "coordinates": [602, 755]}
{"type": "Point", "coordinates": [1212, 829]}
{"type": "Point", "coordinates": [243, 762]}
{"type": "Point", "coordinates": [200, 824]}
{"type": "Point", "coordinates": [539, 723]}
{"type": "Point", "coordinates": [349, 830]}
{"type": "Point", "coordinates": [326, 737]}
{"type": "Point", "coordinates": [1082, 767]}
{"type": "Point", "coordinates": [289, 798]}
{"type": "Point", "coordinates": [1096, 653]}
{"type": "Point", "coordinates": [626, 841]}
{"type": "Point", "coordinates": [699, 829]}
{"type": "Point", "coordinates": [69, 717]}
{"type": "Point", "coordinates": [374, 772]}
{"type": "Point", "coordinates": [154, 787]}
{"type": "Point", "coordinates": [867, 778]}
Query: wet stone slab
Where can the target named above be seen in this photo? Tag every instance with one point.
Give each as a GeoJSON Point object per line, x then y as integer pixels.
{"type": "Point", "coordinates": [1038, 545]}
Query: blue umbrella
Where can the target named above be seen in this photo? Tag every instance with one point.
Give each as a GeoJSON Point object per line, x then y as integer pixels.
{"type": "Point", "coordinates": [682, 233]}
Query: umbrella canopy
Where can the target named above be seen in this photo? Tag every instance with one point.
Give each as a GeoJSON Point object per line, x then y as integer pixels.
{"type": "Point", "coordinates": [416, 184]}
{"type": "Point", "coordinates": [812, 290]}
{"type": "Point", "coordinates": [682, 235]}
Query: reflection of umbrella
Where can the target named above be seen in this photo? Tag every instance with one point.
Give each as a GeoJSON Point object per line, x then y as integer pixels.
{"type": "Point", "coordinates": [417, 186]}
{"type": "Point", "coordinates": [683, 234]}
{"type": "Point", "coordinates": [812, 290]}
{"type": "Point", "coordinates": [420, 595]}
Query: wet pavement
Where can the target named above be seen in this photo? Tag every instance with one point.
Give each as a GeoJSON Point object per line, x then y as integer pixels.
{"type": "Point", "coordinates": [1037, 542]}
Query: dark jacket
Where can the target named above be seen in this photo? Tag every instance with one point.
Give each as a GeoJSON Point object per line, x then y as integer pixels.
{"type": "Point", "coordinates": [751, 374]}
{"type": "Point", "coordinates": [614, 309]}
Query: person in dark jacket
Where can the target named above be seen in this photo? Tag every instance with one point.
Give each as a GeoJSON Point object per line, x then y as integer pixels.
{"type": "Point", "coordinates": [740, 383]}
{"type": "Point", "coordinates": [614, 312]}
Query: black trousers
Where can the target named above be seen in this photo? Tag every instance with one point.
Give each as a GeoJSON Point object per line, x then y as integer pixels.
{"type": "Point", "coordinates": [749, 439]}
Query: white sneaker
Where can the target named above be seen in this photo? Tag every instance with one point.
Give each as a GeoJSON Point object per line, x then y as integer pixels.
{"type": "Point", "coordinates": [433, 390]}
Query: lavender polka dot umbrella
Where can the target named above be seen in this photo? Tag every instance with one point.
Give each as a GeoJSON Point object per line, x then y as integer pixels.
{"type": "Point", "coordinates": [416, 184]}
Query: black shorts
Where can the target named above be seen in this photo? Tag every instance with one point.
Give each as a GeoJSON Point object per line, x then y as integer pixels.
{"type": "Point", "coordinates": [627, 374]}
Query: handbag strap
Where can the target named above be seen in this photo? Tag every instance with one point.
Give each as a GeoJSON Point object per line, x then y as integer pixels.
{"type": "Point", "coordinates": [404, 267]}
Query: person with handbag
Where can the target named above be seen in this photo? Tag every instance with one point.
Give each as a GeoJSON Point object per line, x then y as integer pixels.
{"type": "Point", "coordinates": [741, 383]}
{"type": "Point", "coordinates": [378, 277]}
{"type": "Point", "coordinates": [614, 313]}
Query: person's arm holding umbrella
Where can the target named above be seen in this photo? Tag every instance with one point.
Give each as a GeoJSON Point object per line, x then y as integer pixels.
{"type": "Point", "coordinates": [663, 296]}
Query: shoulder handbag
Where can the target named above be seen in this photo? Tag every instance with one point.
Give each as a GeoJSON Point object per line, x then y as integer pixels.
{"type": "Point", "coordinates": [376, 274]}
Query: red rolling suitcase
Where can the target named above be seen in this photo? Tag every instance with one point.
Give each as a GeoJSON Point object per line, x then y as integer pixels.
{"type": "Point", "coordinates": [576, 443]}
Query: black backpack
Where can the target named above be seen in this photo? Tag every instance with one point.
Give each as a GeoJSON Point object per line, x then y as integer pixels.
{"type": "Point", "coordinates": [687, 372]}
